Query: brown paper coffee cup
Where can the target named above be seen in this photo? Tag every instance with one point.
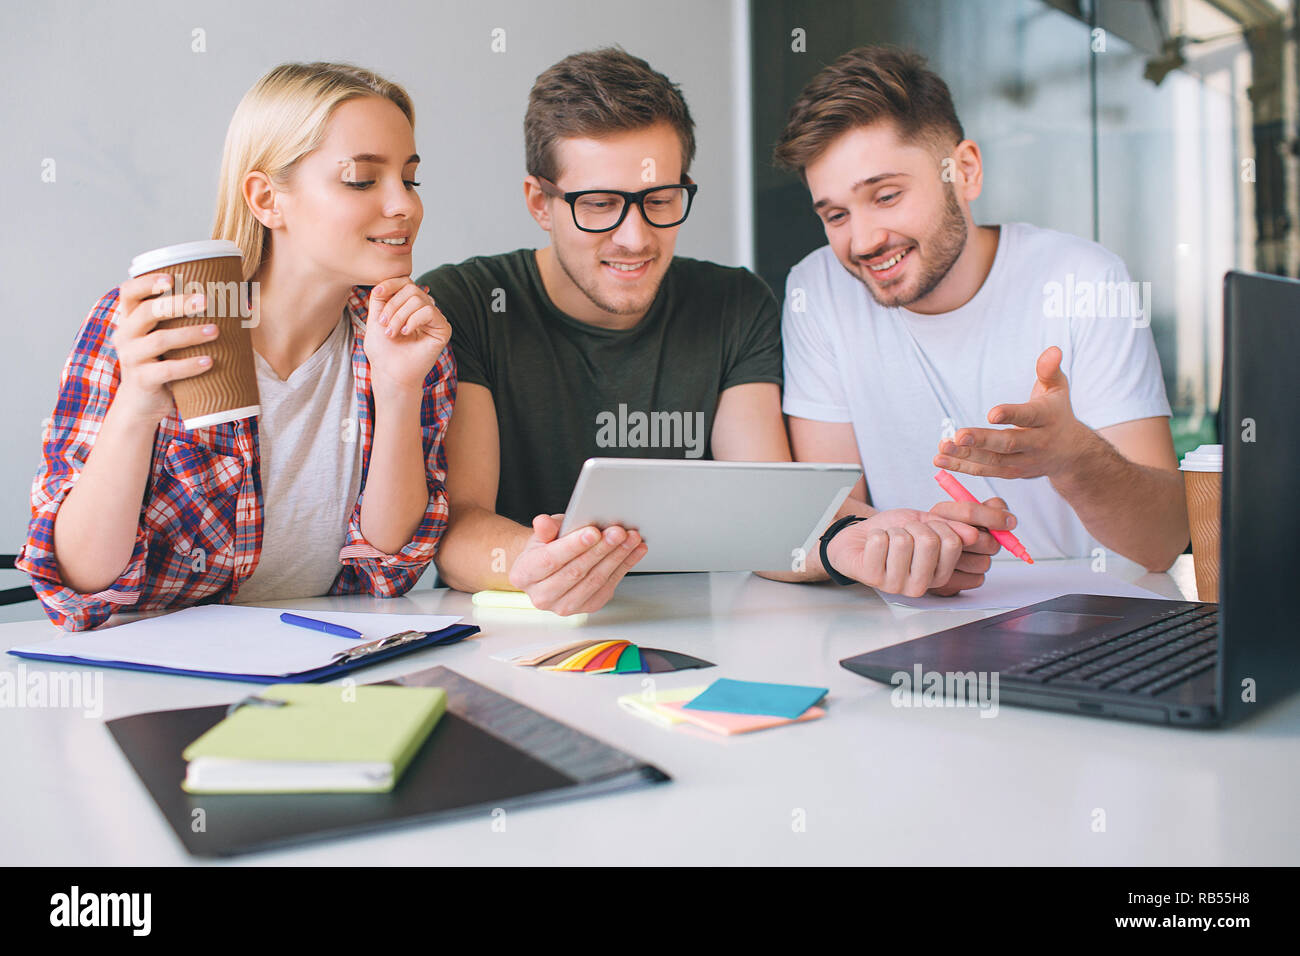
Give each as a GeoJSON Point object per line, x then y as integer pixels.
{"type": "Point", "coordinates": [1204, 489]}
{"type": "Point", "coordinates": [227, 391]}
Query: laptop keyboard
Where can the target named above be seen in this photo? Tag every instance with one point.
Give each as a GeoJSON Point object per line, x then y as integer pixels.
{"type": "Point", "coordinates": [1146, 661]}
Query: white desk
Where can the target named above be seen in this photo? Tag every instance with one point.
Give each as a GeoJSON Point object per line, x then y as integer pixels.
{"type": "Point", "coordinates": [874, 784]}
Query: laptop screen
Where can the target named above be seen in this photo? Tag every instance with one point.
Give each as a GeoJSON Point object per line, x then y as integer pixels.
{"type": "Point", "coordinates": [1259, 641]}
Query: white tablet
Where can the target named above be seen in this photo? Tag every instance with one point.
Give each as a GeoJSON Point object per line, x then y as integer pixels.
{"type": "Point", "coordinates": [712, 515]}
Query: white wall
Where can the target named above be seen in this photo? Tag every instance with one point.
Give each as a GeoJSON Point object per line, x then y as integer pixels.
{"type": "Point", "coordinates": [134, 120]}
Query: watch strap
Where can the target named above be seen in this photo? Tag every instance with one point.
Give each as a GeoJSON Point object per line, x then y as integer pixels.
{"type": "Point", "coordinates": [835, 528]}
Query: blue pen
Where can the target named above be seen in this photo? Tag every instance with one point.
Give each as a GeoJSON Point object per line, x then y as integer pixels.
{"type": "Point", "coordinates": [338, 630]}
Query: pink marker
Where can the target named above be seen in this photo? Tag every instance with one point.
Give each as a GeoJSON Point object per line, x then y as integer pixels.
{"type": "Point", "coordinates": [957, 492]}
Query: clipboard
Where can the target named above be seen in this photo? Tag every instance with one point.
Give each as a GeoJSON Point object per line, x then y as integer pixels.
{"type": "Point", "coordinates": [168, 639]}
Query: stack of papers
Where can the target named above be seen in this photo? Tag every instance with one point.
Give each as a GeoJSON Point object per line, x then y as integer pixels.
{"type": "Point", "coordinates": [600, 657]}
{"type": "Point", "coordinates": [728, 706]}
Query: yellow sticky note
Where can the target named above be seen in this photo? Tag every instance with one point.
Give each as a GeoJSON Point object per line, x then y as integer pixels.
{"type": "Point", "coordinates": [514, 599]}
{"type": "Point", "coordinates": [514, 607]}
{"type": "Point", "coordinates": [646, 704]}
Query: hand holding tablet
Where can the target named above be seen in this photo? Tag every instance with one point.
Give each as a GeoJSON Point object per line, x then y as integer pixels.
{"type": "Point", "coordinates": [576, 572]}
{"type": "Point", "coordinates": [755, 516]}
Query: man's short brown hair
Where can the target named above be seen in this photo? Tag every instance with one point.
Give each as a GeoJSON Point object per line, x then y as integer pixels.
{"type": "Point", "coordinates": [865, 86]}
{"type": "Point", "coordinates": [594, 94]}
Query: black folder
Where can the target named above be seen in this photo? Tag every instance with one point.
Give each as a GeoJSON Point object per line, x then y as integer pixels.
{"type": "Point", "coordinates": [487, 751]}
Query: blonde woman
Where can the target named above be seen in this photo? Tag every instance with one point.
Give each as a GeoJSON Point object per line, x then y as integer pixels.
{"type": "Point", "coordinates": [337, 487]}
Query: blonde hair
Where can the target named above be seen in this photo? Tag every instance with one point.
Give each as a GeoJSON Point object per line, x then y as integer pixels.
{"type": "Point", "coordinates": [278, 122]}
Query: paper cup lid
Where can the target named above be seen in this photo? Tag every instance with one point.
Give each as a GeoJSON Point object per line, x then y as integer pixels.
{"type": "Point", "coordinates": [1203, 458]}
{"type": "Point", "coordinates": [182, 252]}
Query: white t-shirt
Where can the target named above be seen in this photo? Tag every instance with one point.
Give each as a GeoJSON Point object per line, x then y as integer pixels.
{"type": "Point", "coordinates": [904, 379]}
{"type": "Point", "coordinates": [311, 471]}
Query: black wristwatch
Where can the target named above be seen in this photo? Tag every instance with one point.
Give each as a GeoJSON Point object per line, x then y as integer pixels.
{"type": "Point", "coordinates": [835, 528]}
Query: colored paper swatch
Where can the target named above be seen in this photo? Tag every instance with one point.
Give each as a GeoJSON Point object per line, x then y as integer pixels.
{"type": "Point", "coordinates": [606, 660]}
{"type": "Point", "coordinates": [657, 661]}
{"type": "Point", "coordinates": [520, 655]}
{"type": "Point", "coordinates": [629, 662]}
{"type": "Point", "coordinates": [568, 657]}
{"type": "Point", "coordinates": [580, 660]}
{"type": "Point", "coordinates": [555, 654]}
{"type": "Point", "coordinates": [752, 697]}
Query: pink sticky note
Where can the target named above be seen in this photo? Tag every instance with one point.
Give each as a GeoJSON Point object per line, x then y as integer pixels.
{"type": "Point", "coordinates": [722, 723]}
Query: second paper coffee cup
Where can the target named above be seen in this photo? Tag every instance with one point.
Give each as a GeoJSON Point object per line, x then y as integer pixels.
{"type": "Point", "coordinates": [1203, 479]}
{"type": "Point", "coordinates": [227, 391]}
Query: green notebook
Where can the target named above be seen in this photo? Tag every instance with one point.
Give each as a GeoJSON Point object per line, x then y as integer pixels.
{"type": "Point", "coordinates": [322, 739]}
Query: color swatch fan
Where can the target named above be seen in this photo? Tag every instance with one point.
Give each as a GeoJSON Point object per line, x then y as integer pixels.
{"type": "Point", "coordinates": [601, 657]}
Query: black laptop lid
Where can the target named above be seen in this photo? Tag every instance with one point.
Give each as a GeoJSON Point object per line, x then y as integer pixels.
{"type": "Point", "coordinates": [1259, 643]}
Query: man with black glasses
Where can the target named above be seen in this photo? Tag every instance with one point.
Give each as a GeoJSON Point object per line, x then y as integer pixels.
{"type": "Point", "coordinates": [602, 343]}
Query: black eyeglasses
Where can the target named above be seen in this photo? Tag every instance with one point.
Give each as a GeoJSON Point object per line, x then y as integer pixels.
{"type": "Point", "coordinates": [603, 210]}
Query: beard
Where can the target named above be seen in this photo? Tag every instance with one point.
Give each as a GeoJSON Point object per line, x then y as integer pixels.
{"type": "Point", "coordinates": [943, 247]}
{"type": "Point", "coordinates": [590, 288]}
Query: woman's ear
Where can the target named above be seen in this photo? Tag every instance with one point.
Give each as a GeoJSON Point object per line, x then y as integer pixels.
{"type": "Point", "coordinates": [260, 195]}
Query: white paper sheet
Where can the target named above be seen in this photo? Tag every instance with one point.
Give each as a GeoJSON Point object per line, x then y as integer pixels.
{"type": "Point", "coordinates": [1012, 584]}
{"type": "Point", "coordinates": [232, 639]}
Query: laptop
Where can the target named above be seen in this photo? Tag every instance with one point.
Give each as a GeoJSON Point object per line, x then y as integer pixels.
{"type": "Point", "coordinates": [1174, 662]}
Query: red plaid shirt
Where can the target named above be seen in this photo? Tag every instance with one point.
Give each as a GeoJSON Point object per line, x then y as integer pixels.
{"type": "Point", "coordinates": [200, 530]}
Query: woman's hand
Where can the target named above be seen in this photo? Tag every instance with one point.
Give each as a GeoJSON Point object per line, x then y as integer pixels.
{"type": "Point", "coordinates": [405, 334]}
{"type": "Point", "coordinates": [143, 394]}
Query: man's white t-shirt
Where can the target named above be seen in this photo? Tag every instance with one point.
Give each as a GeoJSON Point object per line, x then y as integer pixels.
{"type": "Point", "coordinates": [904, 379]}
{"type": "Point", "coordinates": [311, 471]}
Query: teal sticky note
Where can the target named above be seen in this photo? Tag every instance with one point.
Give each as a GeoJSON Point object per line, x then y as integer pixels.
{"type": "Point", "coordinates": [750, 697]}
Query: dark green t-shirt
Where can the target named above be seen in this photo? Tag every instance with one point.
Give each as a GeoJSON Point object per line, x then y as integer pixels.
{"type": "Point", "coordinates": [566, 391]}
